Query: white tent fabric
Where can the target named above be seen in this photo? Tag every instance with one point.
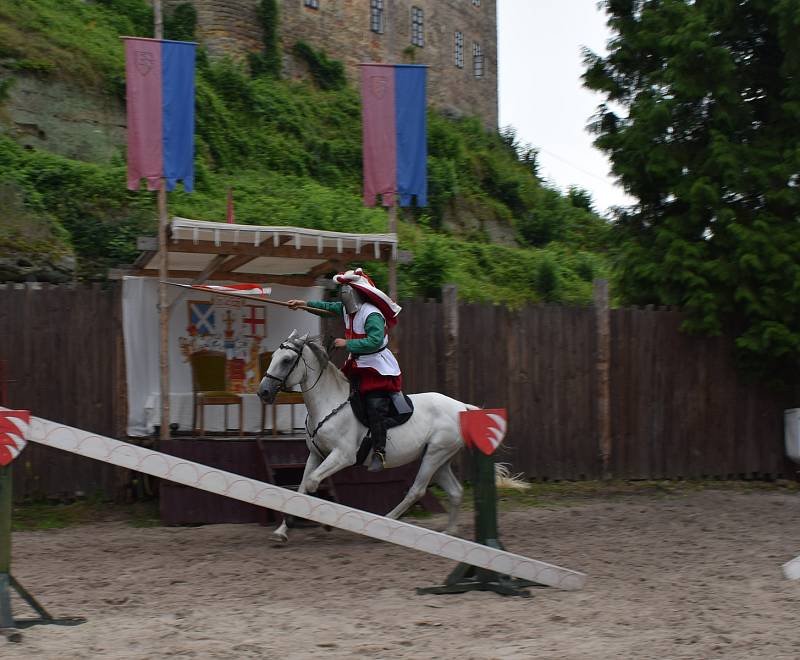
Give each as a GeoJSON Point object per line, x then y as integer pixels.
{"type": "Point", "coordinates": [201, 320]}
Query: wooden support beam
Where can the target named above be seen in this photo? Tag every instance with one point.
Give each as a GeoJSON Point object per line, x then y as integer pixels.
{"type": "Point", "coordinates": [214, 265]}
{"type": "Point", "coordinates": [267, 249]}
{"type": "Point", "coordinates": [236, 262]}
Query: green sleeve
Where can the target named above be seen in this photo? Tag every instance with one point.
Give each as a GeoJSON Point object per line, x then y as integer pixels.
{"type": "Point", "coordinates": [373, 326]}
{"type": "Point", "coordinates": [335, 307]}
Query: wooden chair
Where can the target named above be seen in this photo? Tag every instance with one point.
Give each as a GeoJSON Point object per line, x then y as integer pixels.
{"type": "Point", "coordinates": [209, 389]}
{"type": "Point", "coordinates": [282, 398]}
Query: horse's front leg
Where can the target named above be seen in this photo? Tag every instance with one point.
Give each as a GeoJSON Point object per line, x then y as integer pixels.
{"type": "Point", "coordinates": [335, 461]}
{"type": "Point", "coordinates": [313, 461]}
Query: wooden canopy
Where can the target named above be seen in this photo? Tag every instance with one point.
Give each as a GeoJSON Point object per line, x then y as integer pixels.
{"type": "Point", "coordinates": [207, 251]}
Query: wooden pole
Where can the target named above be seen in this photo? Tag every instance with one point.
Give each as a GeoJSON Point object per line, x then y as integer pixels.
{"type": "Point", "coordinates": [450, 312]}
{"type": "Point", "coordinates": [5, 519]}
{"type": "Point", "coordinates": [163, 272]}
{"type": "Point", "coordinates": [392, 260]}
{"type": "Point", "coordinates": [602, 369]}
{"type": "Point", "coordinates": [158, 23]}
{"type": "Point", "coordinates": [394, 338]}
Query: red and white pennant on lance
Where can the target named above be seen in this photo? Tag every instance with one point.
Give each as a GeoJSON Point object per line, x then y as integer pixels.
{"type": "Point", "coordinates": [13, 431]}
{"type": "Point", "coordinates": [289, 502]}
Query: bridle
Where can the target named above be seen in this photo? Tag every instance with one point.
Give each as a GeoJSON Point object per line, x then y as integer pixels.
{"type": "Point", "coordinates": [299, 352]}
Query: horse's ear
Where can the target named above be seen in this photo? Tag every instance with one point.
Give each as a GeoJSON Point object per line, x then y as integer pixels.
{"type": "Point", "coordinates": [319, 352]}
{"type": "Point", "coordinates": [304, 338]}
{"type": "Point", "coordinates": [293, 335]}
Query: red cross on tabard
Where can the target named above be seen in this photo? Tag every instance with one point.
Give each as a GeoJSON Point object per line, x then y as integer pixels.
{"type": "Point", "coordinates": [256, 319]}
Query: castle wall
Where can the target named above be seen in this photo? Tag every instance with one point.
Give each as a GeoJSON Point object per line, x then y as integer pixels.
{"type": "Point", "coordinates": [342, 29]}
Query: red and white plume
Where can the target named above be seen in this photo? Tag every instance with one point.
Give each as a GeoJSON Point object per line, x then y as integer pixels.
{"type": "Point", "coordinates": [13, 429]}
{"type": "Point", "coordinates": [362, 283]}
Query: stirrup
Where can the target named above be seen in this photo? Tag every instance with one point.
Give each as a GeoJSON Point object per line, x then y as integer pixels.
{"type": "Point", "coordinates": [378, 462]}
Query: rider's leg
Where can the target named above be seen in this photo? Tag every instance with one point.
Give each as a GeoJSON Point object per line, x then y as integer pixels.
{"type": "Point", "coordinates": [377, 405]}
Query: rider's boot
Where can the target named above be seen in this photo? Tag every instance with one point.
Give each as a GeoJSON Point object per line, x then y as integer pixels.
{"type": "Point", "coordinates": [377, 410]}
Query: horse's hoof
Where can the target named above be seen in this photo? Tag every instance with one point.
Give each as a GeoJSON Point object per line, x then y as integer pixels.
{"type": "Point", "coordinates": [279, 539]}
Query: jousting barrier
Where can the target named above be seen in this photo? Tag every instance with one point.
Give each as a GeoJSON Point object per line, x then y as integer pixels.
{"type": "Point", "coordinates": [289, 502]}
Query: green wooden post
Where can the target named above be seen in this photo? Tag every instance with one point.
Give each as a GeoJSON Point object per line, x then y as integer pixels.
{"type": "Point", "coordinates": [8, 626]}
{"type": "Point", "coordinates": [6, 620]}
{"type": "Point", "coordinates": [5, 519]}
{"type": "Point", "coordinates": [466, 577]}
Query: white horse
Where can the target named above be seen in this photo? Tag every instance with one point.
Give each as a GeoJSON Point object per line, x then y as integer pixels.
{"type": "Point", "coordinates": [334, 433]}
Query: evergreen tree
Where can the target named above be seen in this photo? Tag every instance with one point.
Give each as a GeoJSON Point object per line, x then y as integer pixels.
{"type": "Point", "coordinates": [701, 125]}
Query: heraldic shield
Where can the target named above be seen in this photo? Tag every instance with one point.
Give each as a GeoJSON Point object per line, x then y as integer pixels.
{"type": "Point", "coordinates": [484, 429]}
{"type": "Point", "coordinates": [13, 431]}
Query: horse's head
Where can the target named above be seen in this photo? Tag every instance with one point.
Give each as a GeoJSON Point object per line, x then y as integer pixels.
{"type": "Point", "coordinates": [296, 360]}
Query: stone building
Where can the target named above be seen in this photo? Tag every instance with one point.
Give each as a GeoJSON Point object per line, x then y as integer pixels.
{"type": "Point", "coordinates": [456, 38]}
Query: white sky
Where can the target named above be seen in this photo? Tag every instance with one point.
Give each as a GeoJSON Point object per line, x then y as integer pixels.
{"type": "Point", "coordinates": [541, 94]}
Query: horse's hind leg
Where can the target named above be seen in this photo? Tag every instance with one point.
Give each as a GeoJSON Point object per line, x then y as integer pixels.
{"type": "Point", "coordinates": [433, 460]}
{"type": "Point", "coordinates": [452, 486]}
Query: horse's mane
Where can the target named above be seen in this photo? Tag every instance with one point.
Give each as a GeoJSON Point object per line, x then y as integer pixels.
{"type": "Point", "coordinates": [317, 342]}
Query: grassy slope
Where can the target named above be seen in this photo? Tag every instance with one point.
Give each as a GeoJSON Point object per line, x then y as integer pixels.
{"type": "Point", "coordinates": [292, 154]}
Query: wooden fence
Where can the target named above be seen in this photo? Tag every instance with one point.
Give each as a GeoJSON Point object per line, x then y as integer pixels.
{"type": "Point", "coordinates": [65, 362]}
{"type": "Point", "coordinates": [678, 408]}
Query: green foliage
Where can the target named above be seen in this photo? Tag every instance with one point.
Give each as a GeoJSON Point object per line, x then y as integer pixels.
{"type": "Point", "coordinates": [326, 73]}
{"type": "Point", "coordinates": [75, 39]}
{"type": "Point", "coordinates": [430, 270]}
{"type": "Point", "coordinates": [181, 23]}
{"type": "Point", "coordinates": [89, 203]}
{"type": "Point", "coordinates": [5, 88]}
{"type": "Point", "coordinates": [707, 142]}
{"type": "Point", "coordinates": [268, 62]}
{"type": "Point", "coordinates": [580, 198]}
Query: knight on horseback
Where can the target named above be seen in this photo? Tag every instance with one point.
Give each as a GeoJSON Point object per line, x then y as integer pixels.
{"type": "Point", "coordinates": [371, 367]}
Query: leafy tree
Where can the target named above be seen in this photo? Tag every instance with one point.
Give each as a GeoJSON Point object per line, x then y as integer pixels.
{"type": "Point", "coordinates": [580, 198]}
{"type": "Point", "coordinates": [700, 123]}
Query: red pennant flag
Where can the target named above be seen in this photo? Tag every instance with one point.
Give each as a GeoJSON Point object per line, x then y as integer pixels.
{"type": "Point", "coordinates": [13, 429]}
{"type": "Point", "coordinates": [229, 215]}
{"type": "Point", "coordinates": [484, 429]}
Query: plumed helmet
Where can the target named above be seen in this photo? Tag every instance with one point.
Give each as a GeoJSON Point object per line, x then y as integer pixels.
{"type": "Point", "coordinates": [361, 283]}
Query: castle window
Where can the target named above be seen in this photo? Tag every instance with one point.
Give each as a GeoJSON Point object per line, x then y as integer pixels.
{"type": "Point", "coordinates": [314, 4]}
{"type": "Point", "coordinates": [476, 3]}
{"type": "Point", "coordinates": [459, 54]}
{"type": "Point", "coordinates": [477, 60]}
{"type": "Point", "coordinates": [376, 16]}
{"type": "Point", "coordinates": [417, 23]}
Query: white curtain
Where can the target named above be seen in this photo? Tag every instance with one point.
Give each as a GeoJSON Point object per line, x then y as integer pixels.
{"type": "Point", "coordinates": [140, 331]}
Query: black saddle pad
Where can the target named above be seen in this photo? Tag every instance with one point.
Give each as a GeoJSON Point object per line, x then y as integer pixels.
{"type": "Point", "coordinates": [401, 409]}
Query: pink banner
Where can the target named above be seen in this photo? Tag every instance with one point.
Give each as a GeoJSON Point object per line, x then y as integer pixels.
{"type": "Point", "coordinates": [144, 101]}
{"type": "Point", "coordinates": [379, 134]}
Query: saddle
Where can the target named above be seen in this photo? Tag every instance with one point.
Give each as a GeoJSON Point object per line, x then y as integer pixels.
{"type": "Point", "coordinates": [402, 408]}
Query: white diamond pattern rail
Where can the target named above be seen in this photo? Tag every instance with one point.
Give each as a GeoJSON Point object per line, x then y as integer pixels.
{"type": "Point", "coordinates": [289, 502]}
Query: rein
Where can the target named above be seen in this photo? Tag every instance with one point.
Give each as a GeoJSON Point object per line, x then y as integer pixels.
{"type": "Point", "coordinates": [313, 434]}
{"type": "Point", "coordinates": [282, 381]}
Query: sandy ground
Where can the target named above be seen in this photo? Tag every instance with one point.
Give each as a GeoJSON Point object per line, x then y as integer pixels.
{"type": "Point", "coordinates": [694, 575]}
